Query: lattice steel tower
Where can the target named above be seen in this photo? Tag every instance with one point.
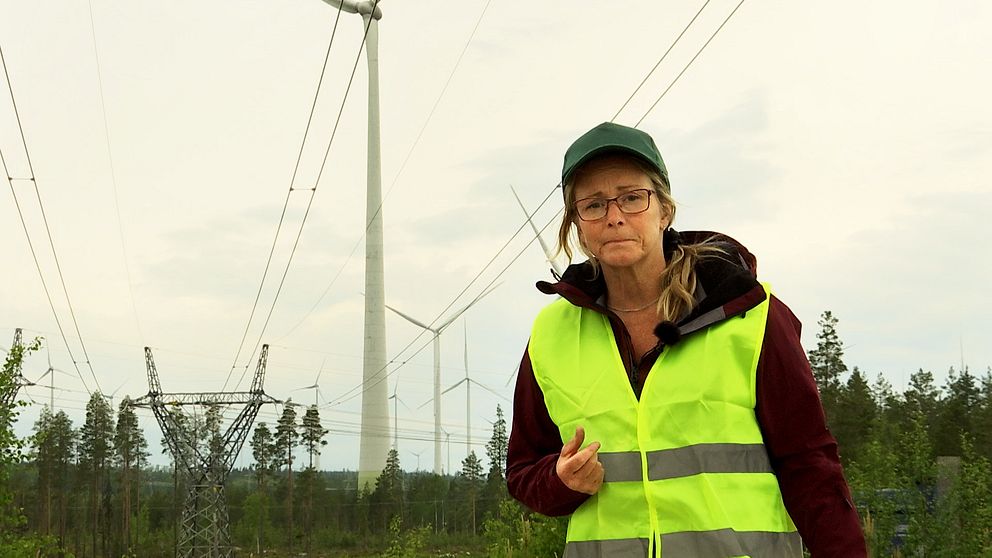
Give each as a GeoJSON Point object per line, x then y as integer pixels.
{"type": "Point", "coordinates": [204, 531]}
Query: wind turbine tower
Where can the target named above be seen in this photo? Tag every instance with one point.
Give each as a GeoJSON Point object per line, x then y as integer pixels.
{"type": "Point", "coordinates": [374, 447]}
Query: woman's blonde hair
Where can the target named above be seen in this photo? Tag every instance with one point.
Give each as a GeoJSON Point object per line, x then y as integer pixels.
{"type": "Point", "coordinates": [678, 280]}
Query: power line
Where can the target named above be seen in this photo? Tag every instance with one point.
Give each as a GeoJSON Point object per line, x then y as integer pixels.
{"type": "Point", "coordinates": [313, 191]}
{"type": "Point", "coordinates": [113, 178]}
{"type": "Point", "coordinates": [51, 242]}
{"type": "Point", "coordinates": [292, 182]}
{"type": "Point", "coordinates": [700, 51]}
{"type": "Point", "coordinates": [396, 178]}
{"type": "Point", "coordinates": [358, 390]}
{"type": "Point", "coordinates": [660, 60]}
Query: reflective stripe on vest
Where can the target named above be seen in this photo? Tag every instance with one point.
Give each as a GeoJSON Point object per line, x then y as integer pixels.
{"type": "Point", "coordinates": [726, 542]}
{"type": "Point", "coordinates": [685, 468]}
{"type": "Point", "coordinates": [687, 461]}
{"type": "Point", "coordinates": [619, 547]}
{"type": "Point", "coordinates": [693, 544]}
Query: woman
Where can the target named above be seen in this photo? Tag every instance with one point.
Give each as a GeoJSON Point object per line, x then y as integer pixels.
{"type": "Point", "coordinates": [664, 400]}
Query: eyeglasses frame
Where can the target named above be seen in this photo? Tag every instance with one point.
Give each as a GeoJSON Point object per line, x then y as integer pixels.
{"type": "Point", "coordinates": [575, 204]}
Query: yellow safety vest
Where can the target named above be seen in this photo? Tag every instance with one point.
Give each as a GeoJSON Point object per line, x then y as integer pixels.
{"type": "Point", "coordinates": [686, 470]}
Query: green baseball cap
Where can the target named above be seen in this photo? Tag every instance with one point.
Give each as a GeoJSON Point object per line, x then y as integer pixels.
{"type": "Point", "coordinates": [609, 138]}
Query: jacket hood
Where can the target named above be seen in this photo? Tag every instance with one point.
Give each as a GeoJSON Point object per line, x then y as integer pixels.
{"type": "Point", "coordinates": [727, 286]}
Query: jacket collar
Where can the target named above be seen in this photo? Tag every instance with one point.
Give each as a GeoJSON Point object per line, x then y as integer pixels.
{"type": "Point", "coordinates": [727, 284]}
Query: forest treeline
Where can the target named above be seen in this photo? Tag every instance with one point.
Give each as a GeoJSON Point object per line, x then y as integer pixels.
{"type": "Point", "coordinates": [918, 463]}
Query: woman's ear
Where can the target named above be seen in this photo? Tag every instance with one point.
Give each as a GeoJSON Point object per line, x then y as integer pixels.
{"type": "Point", "coordinates": [667, 213]}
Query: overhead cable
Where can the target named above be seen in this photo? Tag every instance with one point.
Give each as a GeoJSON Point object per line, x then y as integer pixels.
{"type": "Point", "coordinates": [396, 178]}
{"type": "Point", "coordinates": [660, 60]}
{"type": "Point", "coordinates": [51, 242]}
{"type": "Point", "coordinates": [362, 388]}
{"type": "Point", "coordinates": [292, 183]}
{"type": "Point", "coordinates": [700, 51]}
{"type": "Point", "coordinates": [313, 191]}
{"type": "Point", "coordinates": [113, 179]}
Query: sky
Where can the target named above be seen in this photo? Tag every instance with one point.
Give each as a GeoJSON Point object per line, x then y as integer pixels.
{"type": "Point", "coordinates": [846, 144]}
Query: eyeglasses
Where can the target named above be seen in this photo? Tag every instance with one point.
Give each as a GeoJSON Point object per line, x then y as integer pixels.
{"type": "Point", "coordinates": [594, 209]}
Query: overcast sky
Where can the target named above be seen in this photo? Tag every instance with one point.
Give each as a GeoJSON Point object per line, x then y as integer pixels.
{"type": "Point", "coordinates": [847, 144]}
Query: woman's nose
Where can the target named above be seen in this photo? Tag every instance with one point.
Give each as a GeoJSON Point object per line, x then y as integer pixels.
{"type": "Point", "coordinates": [613, 212]}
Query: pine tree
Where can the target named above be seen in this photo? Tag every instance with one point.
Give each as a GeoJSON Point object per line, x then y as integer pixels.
{"type": "Point", "coordinates": [495, 489]}
{"type": "Point", "coordinates": [470, 479]}
{"type": "Point", "coordinates": [827, 362]}
{"type": "Point", "coordinates": [313, 439]}
{"type": "Point", "coordinates": [856, 413]}
{"type": "Point", "coordinates": [922, 396]}
{"type": "Point", "coordinates": [95, 454]}
{"type": "Point", "coordinates": [132, 452]}
{"type": "Point", "coordinates": [263, 449]}
{"type": "Point", "coordinates": [983, 418]}
{"type": "Point", "coordinates": [387, 498]}
{"type": "Point", "coordinates": [496, 447]}
{"type": "Point", "coordinates": [63, 440]}
{"type": "Point", "coordinates": [955, 418]}
{"type": "Point", "coordinates": [287, 438]}
{"type": "Point", "coordinates": [313, 433]}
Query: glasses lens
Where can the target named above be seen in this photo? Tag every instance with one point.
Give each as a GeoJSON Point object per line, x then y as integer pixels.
{"type": "Point", "coordinates": [593, 209]}
{"type": "Point", "coordinates": [634, 202]}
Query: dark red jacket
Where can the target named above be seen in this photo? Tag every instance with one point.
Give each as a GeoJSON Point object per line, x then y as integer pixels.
{"type": "Point", "coordinates": [802, 451]}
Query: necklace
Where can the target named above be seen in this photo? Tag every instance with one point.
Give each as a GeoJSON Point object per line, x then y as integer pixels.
{"type": "Point", "coordinates": [634, 309]}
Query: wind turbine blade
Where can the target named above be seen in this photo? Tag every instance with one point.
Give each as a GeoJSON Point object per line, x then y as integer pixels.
{"type": "Point", "coordinates": [454, 316]}
{"type": "Point", "coordinates": [424, 404]}
{"type": "Point", "coordinates": [118, 388]}
{"type": "Point", "coordinates": [458, 383]}
{"type": "Point", "coordinates": [305, 387]}
{"type": "Point", "coordinates": [319, 372]}
{"type": "Point", "coordinates": [410, 319]}
{"type": "Point", "coordinates": [512, 376]}
{"type": "Point", "coordinates": [490, 390]}
{"type": "Point", "coordinates": [540, 239]}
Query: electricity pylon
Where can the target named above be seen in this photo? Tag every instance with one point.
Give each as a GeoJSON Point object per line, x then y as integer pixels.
{"type": "Point", "coordinates": [17, 379]}
{"type": "Point", "coordinates": [205, 528]}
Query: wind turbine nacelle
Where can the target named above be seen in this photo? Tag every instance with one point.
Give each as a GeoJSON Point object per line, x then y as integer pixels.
{"type": "Point", "coordinates": [363, 7]}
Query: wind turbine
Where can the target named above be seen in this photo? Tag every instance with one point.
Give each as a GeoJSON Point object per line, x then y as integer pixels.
{"type": "Point", "coordinates": [418, 454]}
{"type": "Point", "coordinates": [114, 393]}
{"type": "Point", "coordinates": [314, 386]}
{"type": "Point", "coordinates": [555, 266]}
{"type": "Point", "coordinates": [316, 392]}
{"type": "Point", "coordinates": [437, 367]}
{"type": "Point", "coordinates": [396, 399]}
{"type": "Point", "coordinates": [468, 395]}
{"type": "Point", "coordinates": [447, 443]}
{"type": "Point", "coordinates": [51, 381]}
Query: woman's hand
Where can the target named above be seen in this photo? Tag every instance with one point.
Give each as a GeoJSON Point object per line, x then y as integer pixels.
{"type": "Point", "coordinates": [580, 470]}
